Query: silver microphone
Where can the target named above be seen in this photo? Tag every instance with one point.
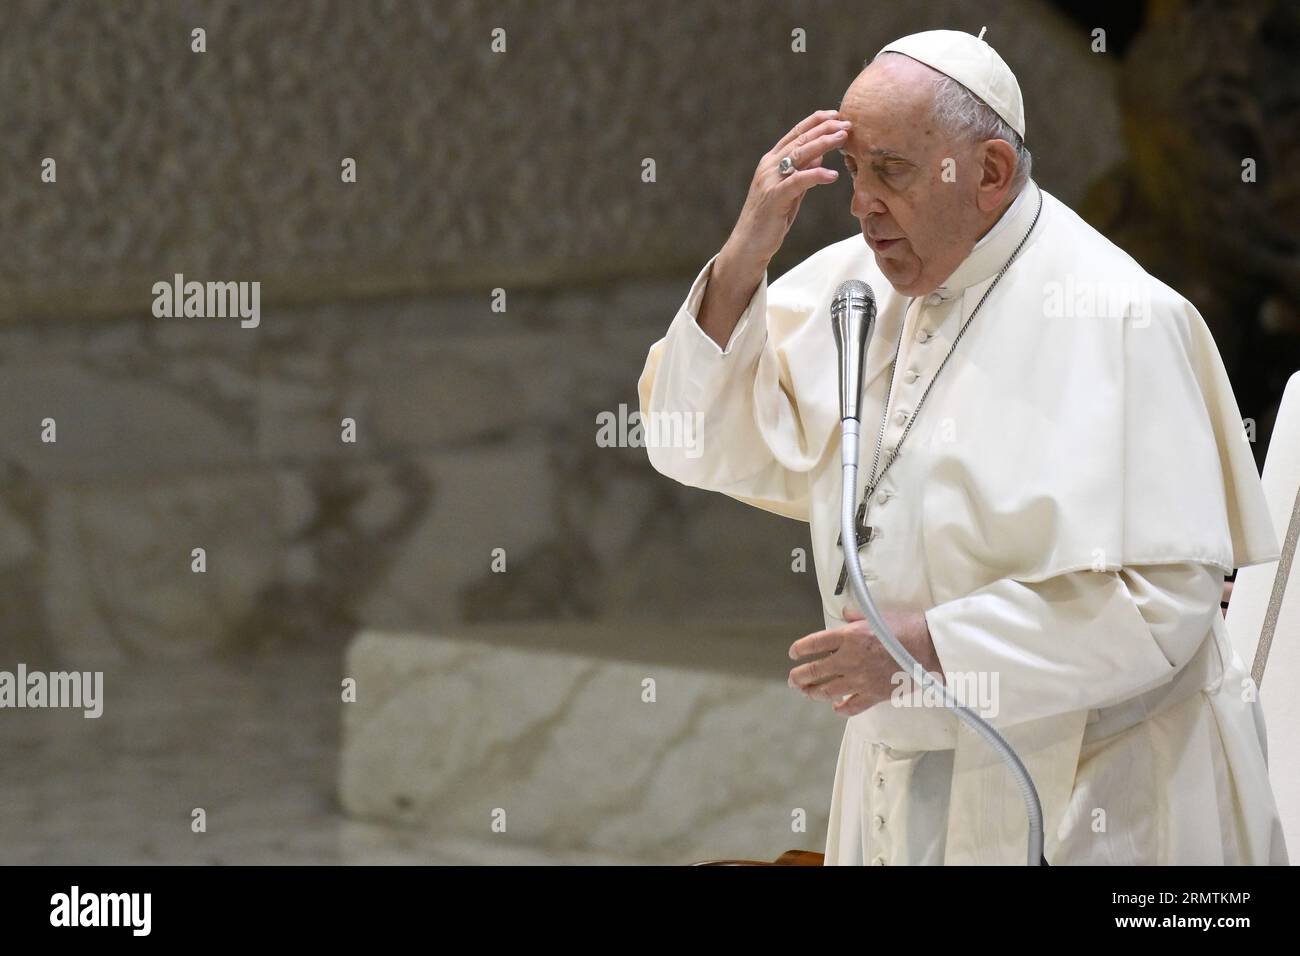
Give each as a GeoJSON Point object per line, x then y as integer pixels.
{"type": "Point", "coordinates": [853, 316]}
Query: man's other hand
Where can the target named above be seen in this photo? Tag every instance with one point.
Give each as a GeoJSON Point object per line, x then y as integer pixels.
{"type": "Point", "coordinates": [858, 672]}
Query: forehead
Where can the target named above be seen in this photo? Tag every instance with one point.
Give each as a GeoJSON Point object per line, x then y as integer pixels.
{"type": "Point", "coordinates": [890, 105]}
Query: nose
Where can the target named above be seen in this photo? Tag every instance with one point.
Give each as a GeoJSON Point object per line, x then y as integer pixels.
{"type": "Point", "coordinates": [865, 202]}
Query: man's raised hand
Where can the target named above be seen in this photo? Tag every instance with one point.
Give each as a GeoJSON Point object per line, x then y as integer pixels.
{"type": "Point", "coordinates": [773, 200]}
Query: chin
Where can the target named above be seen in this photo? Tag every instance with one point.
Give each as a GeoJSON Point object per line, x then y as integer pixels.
{"type": "Point", "coordinates": [903, 284]}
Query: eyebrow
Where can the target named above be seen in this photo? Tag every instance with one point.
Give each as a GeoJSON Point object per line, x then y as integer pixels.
{"type": "Point", "coordinates": [882, 152]}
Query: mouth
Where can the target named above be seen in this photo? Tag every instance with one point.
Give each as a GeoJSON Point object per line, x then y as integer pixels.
{"type": "Point", "coordinates": [880, 245]}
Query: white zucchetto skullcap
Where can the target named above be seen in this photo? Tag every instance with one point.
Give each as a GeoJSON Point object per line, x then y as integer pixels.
{"type": "Point", "coordinates": [972, 63]}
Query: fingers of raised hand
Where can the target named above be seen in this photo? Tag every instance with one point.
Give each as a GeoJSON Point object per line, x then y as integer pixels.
{"type": "Point", "coordinates": [807, 148]}
{"type": "Point", "coordinates": [803, 126]}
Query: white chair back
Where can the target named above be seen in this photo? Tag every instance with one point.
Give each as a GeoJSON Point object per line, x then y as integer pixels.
{"type": "Point", "coordinates": [1264, 617]}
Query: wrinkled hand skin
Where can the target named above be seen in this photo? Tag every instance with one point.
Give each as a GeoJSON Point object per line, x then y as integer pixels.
{"type": "Point", "coordinates": [858, 673]}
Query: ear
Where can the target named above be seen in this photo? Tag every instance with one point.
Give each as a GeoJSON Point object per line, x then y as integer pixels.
{"type": "Point", "coordinates": [997, 165]}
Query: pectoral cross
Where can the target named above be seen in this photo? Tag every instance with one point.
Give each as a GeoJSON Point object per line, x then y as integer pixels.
{"type": "Point", "coordinates": [862, 532]}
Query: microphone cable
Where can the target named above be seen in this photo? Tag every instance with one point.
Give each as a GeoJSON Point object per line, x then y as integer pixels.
{"type": "Point", "coordinates": [909, 664]}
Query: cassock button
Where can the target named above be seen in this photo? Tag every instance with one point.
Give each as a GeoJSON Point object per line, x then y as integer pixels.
{"type": "Point", "coordinates": [878, 822]}
{"type": "Point", "coordinates": [933, 298]}
{"type": "Point", "coordinates": [878, 861]}
{"type": "Point", "coordinates": [910, 376]}
{"type": "Point", "coordinates": [883, 496]}
{"type": "Point", "coordinates": [900, 417]}
{"type": "Point", "coordinates": [923, 336]}
{"type": "Point", "coordinates": [880, 780]}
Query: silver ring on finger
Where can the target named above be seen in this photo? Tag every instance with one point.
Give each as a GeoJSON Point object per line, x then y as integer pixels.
{"type": "Point", "coordinates": [786, 166]}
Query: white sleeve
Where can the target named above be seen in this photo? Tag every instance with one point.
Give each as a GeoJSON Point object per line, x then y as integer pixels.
{"type": "Point", "coordinates": [1080, 640]}
{"type": "Point", "coordinates": [700, 400]}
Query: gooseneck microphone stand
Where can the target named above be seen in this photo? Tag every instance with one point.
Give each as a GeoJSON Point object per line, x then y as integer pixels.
{"type": "Point", "coordinates": [853, 313]}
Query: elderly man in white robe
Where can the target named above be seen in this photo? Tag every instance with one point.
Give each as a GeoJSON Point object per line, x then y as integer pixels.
{"type": "Point", "coordinates": [1059, 482]}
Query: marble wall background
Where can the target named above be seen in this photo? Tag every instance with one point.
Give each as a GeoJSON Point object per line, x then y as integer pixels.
{"type": "Point", "coordinates": [476, 171]}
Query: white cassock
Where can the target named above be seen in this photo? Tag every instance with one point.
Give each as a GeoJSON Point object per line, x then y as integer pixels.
{"type": "Point", "coordinates": [1064, 510]}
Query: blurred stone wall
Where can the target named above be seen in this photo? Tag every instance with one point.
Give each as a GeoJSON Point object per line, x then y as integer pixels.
{"type": "Point", "coordinates": [1206, 199]}
{"type": "Point", "coordinates": [476, 171]}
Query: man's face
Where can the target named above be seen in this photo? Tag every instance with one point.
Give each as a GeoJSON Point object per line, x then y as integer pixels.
{"type": "Point", "coordinates": [918, 225]}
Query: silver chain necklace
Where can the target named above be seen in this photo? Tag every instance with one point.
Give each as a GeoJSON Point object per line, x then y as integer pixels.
{"type": "Point", "coordinates": [862, 530]}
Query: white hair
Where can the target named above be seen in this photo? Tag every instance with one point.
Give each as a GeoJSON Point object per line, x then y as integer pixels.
{"type": "Point", "coordinates": [965, 116]}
